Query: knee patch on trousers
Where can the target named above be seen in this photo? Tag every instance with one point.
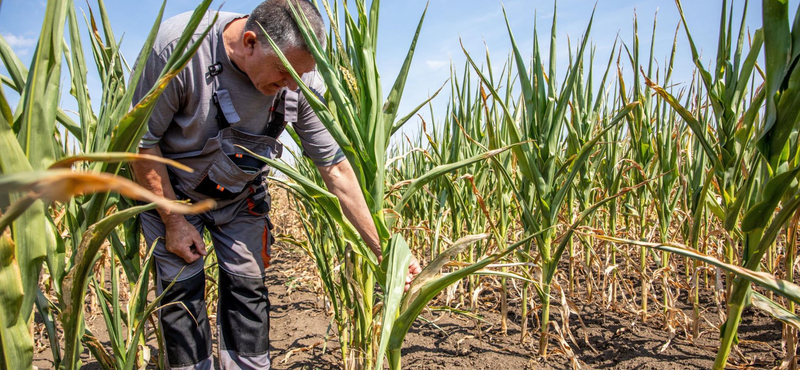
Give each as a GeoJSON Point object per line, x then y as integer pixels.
{"type": "Point", "coordinates": [188, 342]}
{"type": "Point", "coordinates": [243, 314]}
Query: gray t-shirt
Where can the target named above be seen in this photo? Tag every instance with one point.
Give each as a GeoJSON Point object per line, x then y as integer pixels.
{"type": "Point", "coordinates": [184, 117]}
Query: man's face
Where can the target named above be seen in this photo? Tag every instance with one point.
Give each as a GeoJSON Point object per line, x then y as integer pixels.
{"type": "Point", "coordinates": [269, 75]}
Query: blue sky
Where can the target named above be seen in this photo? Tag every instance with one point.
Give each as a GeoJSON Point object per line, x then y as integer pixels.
{"type": "Point", "coordinates": [447, 22]}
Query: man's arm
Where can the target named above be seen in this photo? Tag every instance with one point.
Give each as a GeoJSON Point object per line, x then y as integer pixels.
{"type": "Point", "coordinates": [181, 237]}
{"type": "Point", "coordinates": [342, 182]}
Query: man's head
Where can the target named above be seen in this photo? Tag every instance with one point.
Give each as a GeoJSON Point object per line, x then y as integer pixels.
{"type": "Point", "coordinates": [261, 64]}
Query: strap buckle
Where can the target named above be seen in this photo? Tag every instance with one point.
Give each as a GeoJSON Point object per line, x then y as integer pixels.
{"type": "Point", "coordinates": [215, 69]}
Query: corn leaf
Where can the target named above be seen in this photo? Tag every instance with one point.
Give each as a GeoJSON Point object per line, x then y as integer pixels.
{"type": "Point", "coordinates": [775, 310]}
{"type": "Point", "coordinates": [782, 287]}
{"type": "Point", "coordinates": [396, 267]}
{"type": "Point", "coordinates": [76, 281]}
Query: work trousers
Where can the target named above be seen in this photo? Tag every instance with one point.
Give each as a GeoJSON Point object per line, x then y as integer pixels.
{"type": "Point", "coordinates": [241, 236]}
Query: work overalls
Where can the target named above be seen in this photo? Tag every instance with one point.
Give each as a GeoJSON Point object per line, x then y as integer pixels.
{"type": "Point", "coordinates": [240, 232]}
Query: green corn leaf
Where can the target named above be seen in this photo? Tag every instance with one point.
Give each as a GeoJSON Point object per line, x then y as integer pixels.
{"type": "Point", "coordinates": [109, 317]}
{"type": "Point", "coordinates": [138, 300]}
{"type": "Point", "coordinates": [393, 101]}
{"type": "Point", "coordinates": [775, 310]}
{"type": "Point", "coordinates": [554, 132]}
{"type": "Point", "coordinates": [783, 216]}
{"type": "Point", "coordinates": [76, 280]}
{"type": "Point", "coordinates": [698, 212]}
{"type": "Point", "coordinates": [56, 254]}
{"type": "Point", "coordinates": [583, 156]}
{"type": "Point", "coordinates": [396, 267]}
{"type": "Point", "coordinates": [17, 343]}
{"type": "Point", "coordinates": [138, 307]}
{"type": "Point", "coordinates": [13, 158]}
{"type": "Point", "coordinates": [19, 74]}
{"type": "Point", "coordinates": [351, 149]}
{"type": "Point", "coordinates": [427, 292]}
{"type": "Point", "coordinates": [687, 116]}
{"type": "Point", "coordinates": [36, 122]}
{"type": "Point", "coordinates": [441, 170]}
{"type": "Point", "coordinates": [525, 81]}
{"type": "Point", "coordinates": [777, 41]}
{"type": "Point", "coordinates": [704, 74]}
{"type": "Point", "coordinates": [39, 99]}
{"type": "Point", "coordinates": [79, 88]}
{"type": "Point", "coordinates": [732, 213]}
{"type": "Point", "coordinates": [17, 276]}
{"type": "Point", "coordinates": [140, 326]}
{"type": "Point", "coordinates": [786, 121]}
{"type": "Point", "coordinates": [16, 70]}
{"type": "Point", "coordinates": [327, 201]}
{"type": "Point", "coordinates": [523, 152]}
{"type": "Point", "coordinates": [43, 305]}
{"type": "Point", "coordinates": [132, 124]}
{"type": "Point", "coordinates": [750, 62]}
{"type": "Point", "coordinates": [400, 122]}
{"type": "Point", "coordinates": [759, 215]}
{"type": "Point", "coordinates": [434, 267]}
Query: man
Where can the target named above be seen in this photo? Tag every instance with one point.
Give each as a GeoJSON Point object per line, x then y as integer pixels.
{"type": "Point", "coordinates": [235, 91]}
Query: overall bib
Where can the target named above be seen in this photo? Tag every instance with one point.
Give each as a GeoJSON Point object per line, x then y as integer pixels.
{"type": "Point", "coordinates": [240, 232]}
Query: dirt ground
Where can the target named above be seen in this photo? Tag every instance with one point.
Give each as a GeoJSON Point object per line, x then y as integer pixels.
{"type": "Point", "coordinates": [302, 336]}
{"type": "Point", "coordinates": [448, 341]}
{"type": "Point", "coordinates": [598, 336]}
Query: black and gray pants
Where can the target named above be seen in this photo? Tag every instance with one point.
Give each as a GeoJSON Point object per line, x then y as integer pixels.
{"type": "Point", "coordinates": [241, 236]}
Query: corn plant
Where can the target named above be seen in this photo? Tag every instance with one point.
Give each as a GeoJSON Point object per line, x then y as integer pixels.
{"type": "Point", "coordinates": [90, 187]}
{"type": "Point", "coordinates": [362, 123]}
{"type": "Point", "coordinates": [761, 224]}
{"type": "Point", "coordinates": [641, 141]}
{"type": "Point", "coordinates": [726, 88]}
{"type": "Point", "coordinates": [546, 176]}
{"type": "Point", "coordinates": [667, 137]}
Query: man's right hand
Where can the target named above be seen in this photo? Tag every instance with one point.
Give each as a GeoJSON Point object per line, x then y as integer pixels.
{"type": "Point", "coordinates": [181, 237]}
{"type": "Point", "coordinates": [183, 240]}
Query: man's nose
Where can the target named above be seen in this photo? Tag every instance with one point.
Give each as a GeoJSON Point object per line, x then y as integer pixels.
{"type": "Point", "coordinates": [289, 83]}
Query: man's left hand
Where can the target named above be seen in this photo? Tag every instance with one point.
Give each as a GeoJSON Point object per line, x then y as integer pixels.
{"type": "Point", "coordinates": [413, 271]}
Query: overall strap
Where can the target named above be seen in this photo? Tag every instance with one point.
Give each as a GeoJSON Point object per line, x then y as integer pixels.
{"type": "Point", "coordinates": [277, 120]}
{"type": "Point", "coordinates": [214, 70]}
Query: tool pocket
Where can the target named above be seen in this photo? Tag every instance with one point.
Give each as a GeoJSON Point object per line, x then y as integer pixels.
{"type": "Point", "coordinates": [223, 170]}
{"type": "Point", "coordinates": [259, 202]}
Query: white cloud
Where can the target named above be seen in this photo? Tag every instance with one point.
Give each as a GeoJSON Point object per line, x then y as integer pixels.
{"type": "Point", "coordinates": [20, 42]}
{"type": "Point", "coordinates": [436, 64]}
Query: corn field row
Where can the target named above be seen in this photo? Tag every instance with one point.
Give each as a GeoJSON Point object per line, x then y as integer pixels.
{"type": "Point", "coordinates": [613, 181]}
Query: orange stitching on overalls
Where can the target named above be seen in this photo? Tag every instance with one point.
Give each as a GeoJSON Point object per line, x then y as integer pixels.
{"type": "Point", "coordinates": [250, 206]}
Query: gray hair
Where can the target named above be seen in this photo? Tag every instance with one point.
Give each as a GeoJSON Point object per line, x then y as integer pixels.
{"type": "Point", "coordinates": [277, 19]}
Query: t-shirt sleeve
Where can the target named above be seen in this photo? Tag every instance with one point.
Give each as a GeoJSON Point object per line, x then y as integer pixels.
{"type": "Point", "coordinates": [318, 143]}
{"type": "Point", "coordinates": [166, 106]}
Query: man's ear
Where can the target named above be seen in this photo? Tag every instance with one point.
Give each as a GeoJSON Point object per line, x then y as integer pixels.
{"type": "Point", "coordinates": [250, 41]}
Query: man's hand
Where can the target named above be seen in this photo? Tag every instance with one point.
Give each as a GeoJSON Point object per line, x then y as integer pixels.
{"type": "Point", "coordinates": [341, 181]}
{"type": "Point", "coordinates": [183, 240]}
{"type": "Point", "coordinates": [413, 270]}
{"type": "Point", "coordinates": [181, 237]}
